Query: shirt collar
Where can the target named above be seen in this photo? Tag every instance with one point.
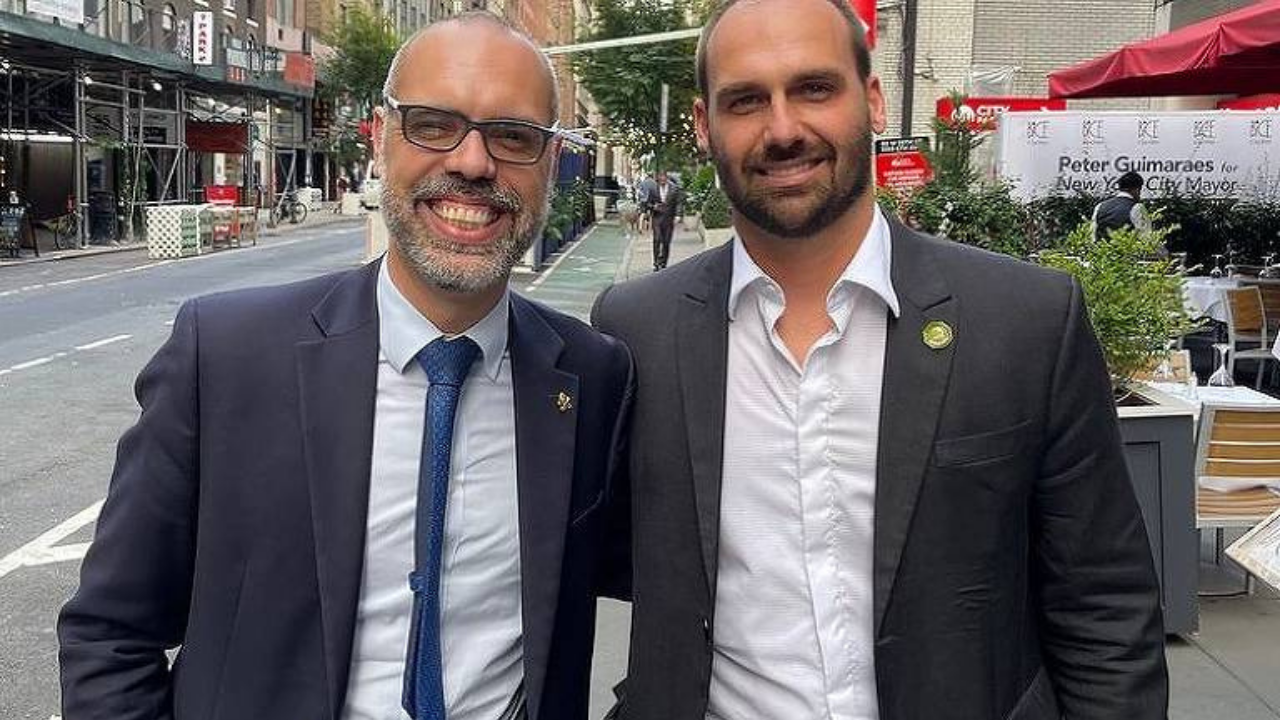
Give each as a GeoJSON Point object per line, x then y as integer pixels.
{"type": "Point", "coordinates": [403, 331]}
{"type": "Point", "coordinates": [871, 267]}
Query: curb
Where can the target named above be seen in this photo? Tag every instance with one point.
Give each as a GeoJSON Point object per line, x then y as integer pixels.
{"type": "Point", "coordinates": [134, 247]}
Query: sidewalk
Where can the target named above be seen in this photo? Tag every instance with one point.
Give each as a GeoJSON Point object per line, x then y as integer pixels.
{"type": "Point", "coordinates": [603, 256]}
{"type": "Point", "coordinates": [315, 218]}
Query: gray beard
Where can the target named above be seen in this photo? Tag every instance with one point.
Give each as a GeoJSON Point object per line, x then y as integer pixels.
{"type": "Point", "coordinates": [429, 256]}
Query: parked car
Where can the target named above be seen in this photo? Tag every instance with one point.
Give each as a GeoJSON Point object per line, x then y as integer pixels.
{"type": "Point", "coordinates": [371, 193]}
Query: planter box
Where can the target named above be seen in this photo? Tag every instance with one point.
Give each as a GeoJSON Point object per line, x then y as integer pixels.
{"type": "Point", "coordinates": [712, 237]}
{"type": "Point", "coordinates": [1159, 448]}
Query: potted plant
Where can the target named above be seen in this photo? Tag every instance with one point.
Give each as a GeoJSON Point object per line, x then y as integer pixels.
{"type": "Point", "coordinates": [715, 223]}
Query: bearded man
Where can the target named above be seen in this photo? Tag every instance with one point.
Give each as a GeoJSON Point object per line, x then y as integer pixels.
{"type": "Point", "coordinates": [377, 494]}
{"type": "Point", "coordinates": [875, 475]}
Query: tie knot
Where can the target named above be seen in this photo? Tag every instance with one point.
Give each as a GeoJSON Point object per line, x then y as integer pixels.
{"type": "Point", "coordinates": [447, 362]}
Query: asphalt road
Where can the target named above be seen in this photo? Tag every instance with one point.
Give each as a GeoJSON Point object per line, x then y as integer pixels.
{"type": "Point", "coordinates": [73, 336]}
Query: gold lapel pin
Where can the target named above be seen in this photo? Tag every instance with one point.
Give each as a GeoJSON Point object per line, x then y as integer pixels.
{"type": "Point", "coordinates": [938, 334]}
{"type": "Point", "coordinates": [564, 403]}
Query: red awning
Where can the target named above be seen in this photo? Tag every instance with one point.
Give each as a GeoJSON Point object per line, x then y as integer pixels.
{"type": "Point", "coordinates": [1234, 53]}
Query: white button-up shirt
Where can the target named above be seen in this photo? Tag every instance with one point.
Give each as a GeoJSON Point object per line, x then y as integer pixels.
{"type": "Point", "coordinates": [480, 611]}
{"type": "Point", "coordinates": [793, 612]}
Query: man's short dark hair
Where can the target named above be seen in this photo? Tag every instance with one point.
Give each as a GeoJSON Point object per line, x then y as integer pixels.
{"type": "Point", "coordinates": [1130, 181]}
{"type": "Point", "coordinates": [861, 53]}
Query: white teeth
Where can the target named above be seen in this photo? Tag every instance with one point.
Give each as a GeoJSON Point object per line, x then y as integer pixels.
{"type": "Point", "coordinates": [464, 215]}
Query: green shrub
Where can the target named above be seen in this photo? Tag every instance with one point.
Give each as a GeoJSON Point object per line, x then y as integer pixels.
{"type": "Point", "coordinates": [715, 209]}
{"type": "Point", "coordinates": [696, 188]}
{"type": "Point", "coordinates": [1134, 299]}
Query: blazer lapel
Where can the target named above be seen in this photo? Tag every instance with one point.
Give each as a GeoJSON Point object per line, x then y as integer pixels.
{"type": "Point", "coordinates": [337, 379]}
{"type": "Point", "coordinates": [702, 356]}
{"type": "Point", "coordinates": [915, 382]}
{"type": "Point", "coordinates": [546, 428]}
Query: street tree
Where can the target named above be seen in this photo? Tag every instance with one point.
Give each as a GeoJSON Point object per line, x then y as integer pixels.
{"type": "Point", "coordinates": [626, 82]}
{"type": "Point", "coordinates": [363, 45]}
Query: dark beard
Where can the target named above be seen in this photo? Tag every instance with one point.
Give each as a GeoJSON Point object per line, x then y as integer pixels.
{"type": "Point", "coordinates": [835, 198]}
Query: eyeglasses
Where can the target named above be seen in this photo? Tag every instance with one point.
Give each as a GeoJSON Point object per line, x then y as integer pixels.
{"type": "Point", "coordinates": [510, 141]}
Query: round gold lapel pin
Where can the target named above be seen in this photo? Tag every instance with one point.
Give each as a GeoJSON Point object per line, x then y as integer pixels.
{"type": "Point", "coordinates": [937, 334]}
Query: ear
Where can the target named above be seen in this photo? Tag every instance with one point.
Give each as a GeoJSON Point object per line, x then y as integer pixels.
{"type": "Point", "coordinates": [700, 125]}
{"type": "Point", "coordinates": [876, 104]}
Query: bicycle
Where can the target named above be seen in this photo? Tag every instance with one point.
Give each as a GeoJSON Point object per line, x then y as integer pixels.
{"type": "Point", "coordinates": [290, 207]}
{"type": "Point", "coordinates": [65, 229]}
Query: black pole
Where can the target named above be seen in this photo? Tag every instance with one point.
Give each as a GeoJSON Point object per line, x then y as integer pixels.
{"type": "Point", "coordinates": [909, 22]}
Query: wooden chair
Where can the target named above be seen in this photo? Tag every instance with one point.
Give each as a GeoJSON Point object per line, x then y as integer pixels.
{"type": "Point", "coordinates": [1270, 290]}
{"type": "Point", "coordinates": [1247, 329]}
{"type": "Point", "coordinates": [1237, 459]}
{"type": "Point", "coordinates": [1179, 369]}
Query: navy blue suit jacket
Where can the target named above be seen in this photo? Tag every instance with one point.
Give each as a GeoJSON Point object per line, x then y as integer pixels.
{"type": "Point", "coordinates": [234, 525]}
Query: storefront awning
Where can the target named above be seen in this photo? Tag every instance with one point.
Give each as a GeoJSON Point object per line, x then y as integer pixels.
{"type": "Point", "coordinates": [1234, 53]}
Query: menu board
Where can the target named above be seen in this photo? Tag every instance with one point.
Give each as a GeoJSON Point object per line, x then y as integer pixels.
{"type": "Point", "coordinates": [12, 218]}
{"type": "Point", "coordinates": [1258, 551]}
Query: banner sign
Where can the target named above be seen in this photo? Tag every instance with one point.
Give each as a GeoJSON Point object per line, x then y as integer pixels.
{"type": "Point", "coordinates": [901, 165]}
{"type": "Point", "coordinates": [1211, 153]}
{"type": "Point", "coordinates": [299, 69]}
{"type": "Point", "coordinates": [866, 12]}
{"type": "Point", "coordinates": [981, 113]}
{"type": "Point", "coordinates": [202, 37]}
{"type": "Point", "coordinates": [68, 11]}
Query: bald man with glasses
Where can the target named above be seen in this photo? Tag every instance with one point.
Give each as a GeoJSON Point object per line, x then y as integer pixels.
{"type": "Point", "coordinates": [379, 494]}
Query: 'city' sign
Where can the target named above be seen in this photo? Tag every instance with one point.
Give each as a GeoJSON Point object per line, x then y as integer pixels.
{"type": "Point", "coordinates": [202, 38]}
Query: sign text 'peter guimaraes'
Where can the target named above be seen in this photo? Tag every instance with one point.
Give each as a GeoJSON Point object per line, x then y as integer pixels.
{"type": "Point", "coordinates": [1211, 153]}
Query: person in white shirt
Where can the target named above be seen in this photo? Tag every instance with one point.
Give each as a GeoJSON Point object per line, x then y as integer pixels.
{"type": "Point", "coordinates": [380, 494]}
{"type": "Point", "coordinates": [875, 475]}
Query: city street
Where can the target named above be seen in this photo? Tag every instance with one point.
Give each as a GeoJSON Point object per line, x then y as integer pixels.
{"type": "Point", "coordinates": [75, 334]}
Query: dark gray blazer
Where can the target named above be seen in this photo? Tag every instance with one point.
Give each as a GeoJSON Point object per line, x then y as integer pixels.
{"type": "Point", "coordinates": [1012, 576]}
{"type": "Point", "coordinates": [234, 526]}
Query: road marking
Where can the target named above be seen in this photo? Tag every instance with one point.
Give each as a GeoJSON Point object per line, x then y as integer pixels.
{"type": "Point", "coordinates": [32, 363]}
{"type": "Point", "coordinates": [160, 263]}
{"type": "Point", "coordinates": [577, 243]}
{"type": "Point", "coordinates": [50, 358]}
{"type": "Point", "coordinates": [100, 343]}
{"type": "Point", "coordinates": [44, 550]}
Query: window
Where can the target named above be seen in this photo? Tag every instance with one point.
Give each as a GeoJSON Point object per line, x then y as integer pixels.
{"type": "Point", "coordinates": [169, 28]}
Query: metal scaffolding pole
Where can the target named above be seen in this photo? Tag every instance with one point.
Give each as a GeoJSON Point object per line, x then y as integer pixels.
{"type": "Point", "coordinates": [81, 193]}
{"type": "Point", "coordinates": [184, 174]}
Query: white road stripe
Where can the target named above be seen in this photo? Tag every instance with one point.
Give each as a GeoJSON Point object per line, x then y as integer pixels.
{"type": "Point", "coordinates": [100, 343]}
{"type": "Point", "coordinates": [40, 550]}
{"type": "Point", "coordinates": [31, 363]}
{"type": "Point", "coordinates": [160, 263]}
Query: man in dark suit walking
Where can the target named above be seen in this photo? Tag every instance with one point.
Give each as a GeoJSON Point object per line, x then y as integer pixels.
{"type": "Point", "coordinates": [846, 502]}
{"type": "Point", "coordinates": [663, 200]}
{"type": "Point", "coordinates": [379, 493]}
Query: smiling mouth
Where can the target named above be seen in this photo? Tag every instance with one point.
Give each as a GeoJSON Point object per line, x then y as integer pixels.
{"type": "Point", "coordinates": [464, 216]}
{"type": "Point", "coordinates": [788, 169]}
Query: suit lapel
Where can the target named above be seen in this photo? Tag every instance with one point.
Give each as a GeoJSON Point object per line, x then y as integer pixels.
{"type": "Point", "coordinates": [702, 353]}
{"type": "Point", "coordinates": [546, 401]}
{"type": "Point", "coordinates": [337, 382]}
{"type": "Point", "coordinates": [915, 382]}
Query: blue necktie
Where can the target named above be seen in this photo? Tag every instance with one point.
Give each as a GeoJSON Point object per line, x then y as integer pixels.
{"type": "Point", "coordinates": [447, 363]}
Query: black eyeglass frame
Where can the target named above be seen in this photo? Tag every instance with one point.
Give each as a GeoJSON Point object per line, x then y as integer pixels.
{"type": "Point", "coordinates": [547, 133]}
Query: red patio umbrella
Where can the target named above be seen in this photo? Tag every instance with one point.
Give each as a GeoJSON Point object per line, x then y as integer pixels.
{"type": "Point", "coordinates": [1237, 52]}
